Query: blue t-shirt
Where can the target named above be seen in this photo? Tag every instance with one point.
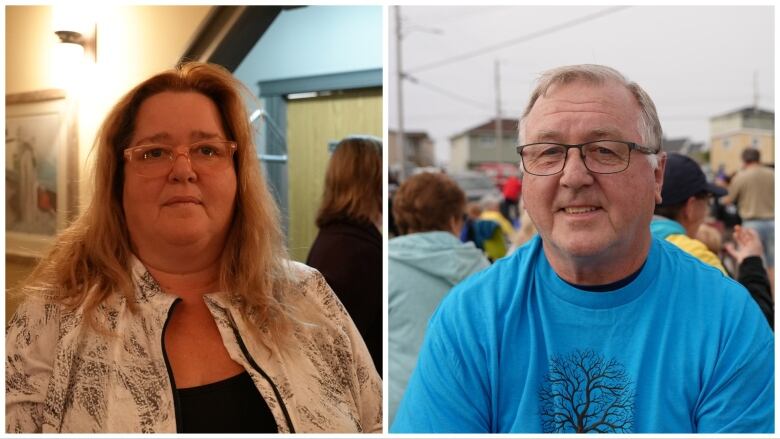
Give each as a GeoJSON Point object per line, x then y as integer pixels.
{"type": "Point", "coordinates": [514, 348]}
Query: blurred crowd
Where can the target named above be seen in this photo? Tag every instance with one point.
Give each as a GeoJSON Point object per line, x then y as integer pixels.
{"type": "Point", "coordinates": [438, 238]}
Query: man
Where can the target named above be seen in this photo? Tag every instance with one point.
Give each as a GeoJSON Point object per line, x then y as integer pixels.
{"type": "Point", "coordinates": [686, 195]}
{"type": "Point", "coordinates": [753, 190]}
{"type": "Point", "coordinates": [593, 326]}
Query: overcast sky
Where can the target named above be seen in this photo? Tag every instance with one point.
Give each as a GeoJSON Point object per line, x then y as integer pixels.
{"type": "Point", "coordinates": [694, 61]}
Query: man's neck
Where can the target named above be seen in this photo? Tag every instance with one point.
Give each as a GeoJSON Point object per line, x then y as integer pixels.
{"type": "Point", "coordinates": [598, 269]}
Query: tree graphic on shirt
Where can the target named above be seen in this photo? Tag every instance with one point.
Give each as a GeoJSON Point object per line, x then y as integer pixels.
{"type": "Point", "coordinates": [583, 392]}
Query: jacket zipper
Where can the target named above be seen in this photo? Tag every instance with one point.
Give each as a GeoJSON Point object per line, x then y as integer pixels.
{"type": "Point", "coordinates": [257, 368]}
{"type": "Point", "coordinates": [176, 402]}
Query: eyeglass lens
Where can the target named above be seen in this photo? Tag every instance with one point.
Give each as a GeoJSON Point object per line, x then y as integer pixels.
{"type": "Point", "coordinates": [157, 160]}
{"type": "Point", "coordinates": [604, 157]}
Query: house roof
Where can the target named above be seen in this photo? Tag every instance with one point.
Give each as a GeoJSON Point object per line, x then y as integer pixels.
{"type": "Point", "coordinates": [682, 145]}
{"type": "Point", "coordinates": [508, 125]}
{"type": "Point", "coordinates": [675, 145]}
{"type": "Point", "coordinates": [746, 112]}
{"type": "Point", "coordinates": [412, 134]}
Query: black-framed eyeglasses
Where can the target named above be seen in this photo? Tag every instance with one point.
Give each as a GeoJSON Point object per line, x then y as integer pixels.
{"type": "Point", "coordinates": [599, 156]}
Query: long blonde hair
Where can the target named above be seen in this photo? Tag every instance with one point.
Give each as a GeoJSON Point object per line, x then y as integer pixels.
{"type": "Point", "coordinates": [353, 182]}
{"type": "Point", "coordinates": [90, 259]}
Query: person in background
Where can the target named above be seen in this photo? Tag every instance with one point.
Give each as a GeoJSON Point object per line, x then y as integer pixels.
{"type": "Point", "coordinates": [491, 205]}
{"type": "Point", "coordinates": [680, 218]}
{"type": "Point", "coordinates": [170, 305]}
{"type": "Point", "coordinates": [348, 246]}
{"type": "Point", "coordinates": [525, 233]}
{"type": "Point", "coordinates": [753, 191]}
{"type": "Point", "coordinates": [485, 234]}
{"type": "Point", "coordinates": [686, 200]}
{"type": "Point", "coordinates": [712, 238]}
{"type": "Point", "coordinates": [725, 214]}
{"type": "Point", "coordinates": [746, 250]}
{"type": "Point", "coordinates": [511, 191]}
{"type": "Point", "coordinates": [468, 233]}
{"type": "Point", "coordinates": [423, 264]}
{"type": "Point", "coordinates": [392, 186]}
{"type": "Point", "coordinates": [593, 326]}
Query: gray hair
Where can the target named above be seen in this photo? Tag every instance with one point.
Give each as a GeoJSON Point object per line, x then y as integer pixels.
{"type": "Point", "coordinates": [648, 124]}
{"type": "Point", "coordinates": [490, 201]}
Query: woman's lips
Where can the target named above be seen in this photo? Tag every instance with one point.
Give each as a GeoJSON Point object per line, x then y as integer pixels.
{"type": "Point", "coordinates": [179, 200]}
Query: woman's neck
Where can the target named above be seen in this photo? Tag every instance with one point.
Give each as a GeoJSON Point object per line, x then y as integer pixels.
{"type": "Point", "coordinates": [182, 278]}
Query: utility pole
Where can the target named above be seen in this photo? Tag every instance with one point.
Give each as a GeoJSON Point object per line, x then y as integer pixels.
{"type": "Point", "coordinates": [401, 136]}
{"type": "Point", "coordinates": [499, 127]}
{"type": "Point", "coordinates": [755, 91]}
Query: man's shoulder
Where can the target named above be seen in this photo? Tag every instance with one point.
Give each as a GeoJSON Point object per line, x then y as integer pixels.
{"type": "Point", "coordinates": [692, 277]}
{"type": "Point", "coordinates": [753, 174]}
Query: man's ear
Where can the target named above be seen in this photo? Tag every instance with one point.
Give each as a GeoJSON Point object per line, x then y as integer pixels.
{"type": "Point", "coordinates": [658, 173]}
{"type": "Point", "coordinates": [688, 210]}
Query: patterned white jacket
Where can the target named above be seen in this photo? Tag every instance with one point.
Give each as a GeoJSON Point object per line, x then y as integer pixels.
{"type": "Point", "coordinates": [62, 376]}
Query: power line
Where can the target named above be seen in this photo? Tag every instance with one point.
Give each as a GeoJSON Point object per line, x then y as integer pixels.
{"type": "Point", "coordinates": [445, 92]}
{"type": "Point", "coordinates": [470, 13]}
{"type": "Point", "coordinates": [518, 40]}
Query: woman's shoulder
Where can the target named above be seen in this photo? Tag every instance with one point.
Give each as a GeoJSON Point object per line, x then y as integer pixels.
{"type": "Point", "coordinates": [37, 306]}
{"type": "Point", "coordinates": [306, 280]}
{"type": "Point", "coordinates": [309, 287]}
{"type": "Point", "coordinates": [37, 324]}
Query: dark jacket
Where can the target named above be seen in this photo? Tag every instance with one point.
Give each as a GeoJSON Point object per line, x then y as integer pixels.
{"type": "Point", "coordinates": [754, 277]}
{"type": "Point", "coordinates": [349, 255]}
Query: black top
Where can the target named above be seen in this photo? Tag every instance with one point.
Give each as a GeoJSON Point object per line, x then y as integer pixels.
{"type": "Point", "coordinates": [349, 255]}
{"type": "Point", "coordinates": [753, 276]}
{"type": "Point", "coordinates": [233, 405]}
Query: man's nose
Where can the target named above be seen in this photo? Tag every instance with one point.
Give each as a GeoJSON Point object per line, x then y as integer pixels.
{"type": "Point", "coordinates": [575, 173]}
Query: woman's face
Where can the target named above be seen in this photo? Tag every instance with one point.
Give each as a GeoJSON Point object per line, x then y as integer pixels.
{"type": "Point", "coordinates": [184, 207]}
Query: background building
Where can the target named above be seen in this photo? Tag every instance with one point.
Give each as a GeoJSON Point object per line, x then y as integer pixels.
{"type": "Point", "coordinates": [478, 146]}
{"type": "Point", "coordinates": [419, 149]}
{"type": "Point", "coordinates": [732, 132]}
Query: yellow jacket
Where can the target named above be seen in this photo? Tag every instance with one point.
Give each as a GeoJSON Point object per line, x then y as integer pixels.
{"type": "Point", "coordinates": [697, 249]}
{"type": "Point", "coordinates": [506, 226]}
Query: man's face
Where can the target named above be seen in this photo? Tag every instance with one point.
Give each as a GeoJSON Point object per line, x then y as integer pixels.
{"type": "Point", "coordinates": [580, 214]}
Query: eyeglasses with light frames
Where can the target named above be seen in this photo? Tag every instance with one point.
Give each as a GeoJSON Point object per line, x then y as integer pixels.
{"type": "Point", "coordinates": [155, 160]}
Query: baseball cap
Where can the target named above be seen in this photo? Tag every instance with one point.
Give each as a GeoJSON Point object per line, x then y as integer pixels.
{"type": "Point", "coordinates": [683, 178]}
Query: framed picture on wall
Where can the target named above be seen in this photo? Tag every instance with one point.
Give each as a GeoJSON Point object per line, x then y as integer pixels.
{"type": "Point", "coordinates": [41, 150]}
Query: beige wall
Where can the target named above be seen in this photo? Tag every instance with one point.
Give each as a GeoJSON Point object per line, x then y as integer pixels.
{"type": "Point", "coordinates": [730, 156]}
{"type": "Point", "coordinates": [311, 124]}
{"type": "Point", "coordinates": [133, 43]}
{"type": "Point", "coordinates": [459, 154]}
{"type": "Point", "coordinates": [393, 151]}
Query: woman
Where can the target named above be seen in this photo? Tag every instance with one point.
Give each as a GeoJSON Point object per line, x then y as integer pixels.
{"type": "Point", "coordinates": [424, 264]}
{"type": "Point", "coordinates": [169, 305]}
{"type": "Point", "coordinates": [348, 247]}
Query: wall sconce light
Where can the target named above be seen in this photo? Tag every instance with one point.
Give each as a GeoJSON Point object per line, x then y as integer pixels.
{"type": "Point", "coordinates": [88, 42]}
